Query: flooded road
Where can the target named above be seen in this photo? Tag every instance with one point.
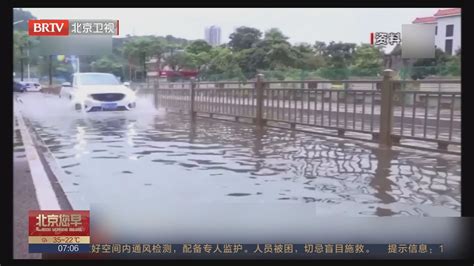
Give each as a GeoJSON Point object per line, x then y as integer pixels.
{"type": "Point", "coordinates": [147, 158]}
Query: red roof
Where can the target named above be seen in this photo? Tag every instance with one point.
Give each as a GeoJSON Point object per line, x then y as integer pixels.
{"type": "Point", "coordinates": [448, 12]}
{"type": "Point", "coordinates": [425, 20]}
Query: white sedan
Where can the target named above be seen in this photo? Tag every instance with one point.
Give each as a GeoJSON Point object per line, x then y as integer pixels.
{"type": "Point", "coordinates": [98, 92]}
{"type": "Point", "coordinates": [32, 86]}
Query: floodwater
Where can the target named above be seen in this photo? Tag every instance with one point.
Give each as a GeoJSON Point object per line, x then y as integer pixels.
{"type": "Point", "coordinates": [146, 159]}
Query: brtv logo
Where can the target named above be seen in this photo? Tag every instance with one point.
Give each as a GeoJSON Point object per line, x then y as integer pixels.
{"type": "Point", "coordinates": [50, 27]}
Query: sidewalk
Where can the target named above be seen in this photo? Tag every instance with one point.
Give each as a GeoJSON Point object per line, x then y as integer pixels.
{"type": "Point", "coordinates": [24, 199]}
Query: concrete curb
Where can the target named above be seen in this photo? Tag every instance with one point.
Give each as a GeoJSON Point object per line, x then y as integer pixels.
{"type": "Point", "coordinates": [46, 197]}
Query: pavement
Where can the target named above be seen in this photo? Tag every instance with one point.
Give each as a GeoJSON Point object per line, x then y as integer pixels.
{"type": "Point", "coordinates": [27, 195]}
{"type": "Point", "coordinates": [24, 199]}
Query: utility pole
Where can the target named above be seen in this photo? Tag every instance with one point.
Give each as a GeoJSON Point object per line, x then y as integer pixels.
{"type": "Point", "coordinates": [28, 57]}
{"type": "Point", "coordinates": [144, 66]}
{"type": "Point", "coordinates": [21, 62]}
{"type": "Point", "coordinates": [50, 70]}
{"type": "Point", "coordinates": [129, 69]}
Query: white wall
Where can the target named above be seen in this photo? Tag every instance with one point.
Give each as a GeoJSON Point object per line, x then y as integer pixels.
{"type": "Point", "coordinates": [441, 36]}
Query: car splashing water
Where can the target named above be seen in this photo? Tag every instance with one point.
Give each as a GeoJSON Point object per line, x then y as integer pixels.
{"type": "Point", "coordinates": [143, 158]}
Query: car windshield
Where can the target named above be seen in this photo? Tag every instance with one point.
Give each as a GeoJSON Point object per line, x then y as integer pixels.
{"type": "Point", "coordinates": [97, 79]}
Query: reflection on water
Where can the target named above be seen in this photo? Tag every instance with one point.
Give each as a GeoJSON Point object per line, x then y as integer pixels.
{"type": "Point", "coordinates": [150, 158]}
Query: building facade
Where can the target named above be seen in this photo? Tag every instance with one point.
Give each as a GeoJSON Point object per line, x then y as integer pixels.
{"type": "Point", "coordinates": [448, 29]}
{"type": "Point", "coordinates": [212, 35]}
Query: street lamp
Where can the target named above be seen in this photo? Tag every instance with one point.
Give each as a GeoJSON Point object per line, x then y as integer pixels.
{"type": "Point", "coordinates": [19, 21]}
{"type": "Point", "coordinates": [28, 56]}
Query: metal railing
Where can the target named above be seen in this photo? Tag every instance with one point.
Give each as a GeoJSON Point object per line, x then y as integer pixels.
{"type": "Point", "coordinates": [387, 110]}
{"type": "Point", "coordinates": [174, 99]}
{"type": "Point", "coordinates": [339, 109]}
{"type": "Point", "coordinates": [428, 115]}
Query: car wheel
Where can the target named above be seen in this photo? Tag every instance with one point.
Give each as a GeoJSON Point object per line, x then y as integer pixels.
{"type": "Point", "coordinates": [78, 106]}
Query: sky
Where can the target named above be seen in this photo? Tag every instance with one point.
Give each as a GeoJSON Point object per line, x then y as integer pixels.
{"type": "Point", "coordinates": [299, 24]}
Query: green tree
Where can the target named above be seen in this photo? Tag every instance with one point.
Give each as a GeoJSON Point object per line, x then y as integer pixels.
{"type": "Point", "coordinates": [452, 66]}
{"type": "Point", "coordinates": [307, 59]}
{"type": "Point", "coordinates": [274, 35]}
{"type": "Point", "coordinates": [157, 49]}
{"type": "Point", "coordinates": [201, 63]}
{"type": "Point", "coordinates": [320, 48]}
{"type": "Point", "coordinates": [181, 60]}
{"type": "Point", "coordinates": [137, 51]}
{"type": "Point", "coordinates": [339, 57]}
{"type": "Point", "coordinates": [368, 60]}
{"type": "Point", "coordinates": [280, 55]}
{"type": "Point", "coordinates": [21, 43]}
{"type": "Point", "coordinates": [144, 50]}
{"type": "Point", "coordinates": [279, 52]}
{"type": "Point", "coordinates": [198, 46]}
{"type": "Point", "coordinates": [251, 60]}
{"type": "Point", "coordinates": [244, 38]}
{"type": "Point", "coordinates": [429, 66]}
{"type": "Point", "coordinates": [223, 65]}
{"type": "Point", "coordinates": [270, 53]}
{"type": "Point", "coordinates": [179, 42]}
{"type": "Point", "coordinates": [304, 48]}
{"type": "Point", "coordinates": [108, 64]}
